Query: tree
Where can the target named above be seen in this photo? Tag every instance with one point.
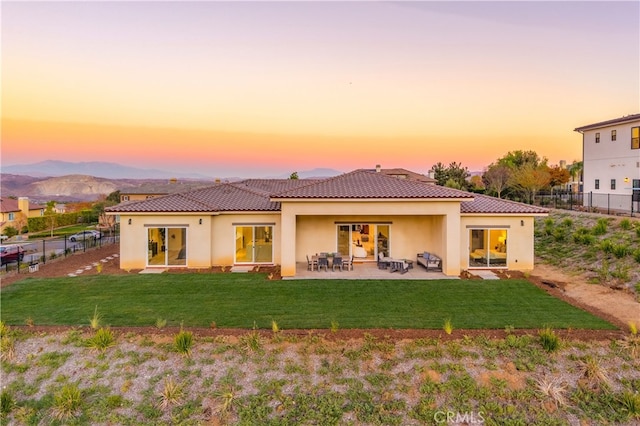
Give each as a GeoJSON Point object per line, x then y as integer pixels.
{"type": "Point", "coordinates": [530, 179]}
{"type": "Point", "coordinates": [516, 159]}
{"type": "Point", "coordinates": [51, 215]}
{"type": "Point", "coordinates": [496, 178]}
{"type": "Point", "coordinates": [114, 197]}
{"type": "Point", "coordinates": [294, 176]}
{"type": "Point", "coordinates": [453, 175]}
{"type": "Point", "coordinates": [558, 176]}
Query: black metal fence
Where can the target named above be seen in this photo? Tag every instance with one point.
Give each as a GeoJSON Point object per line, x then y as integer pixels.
{"type": "Point", "coordinates": [614, 204]}
{"type": "Point", "coordinates": [38, 252]}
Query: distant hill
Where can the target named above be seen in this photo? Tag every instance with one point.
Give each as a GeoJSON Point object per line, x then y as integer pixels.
{"type": "Point", "coordinates": [93, 168]}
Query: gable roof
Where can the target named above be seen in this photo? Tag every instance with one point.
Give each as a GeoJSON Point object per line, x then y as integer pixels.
{"type": "Point", "coordinates": [363, 183]}
{"type": "Point", "coordinates": [625, 119]}
{"type": "Point", "coordinates": [492, 205]}
{"type": "Point", "coordinates": [407, 174]}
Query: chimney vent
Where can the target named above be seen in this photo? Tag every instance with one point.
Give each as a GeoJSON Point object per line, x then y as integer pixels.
{"type": "Point", "coordinates": [378, 168]}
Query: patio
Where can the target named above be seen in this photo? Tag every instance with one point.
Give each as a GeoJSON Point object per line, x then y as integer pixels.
{"type": "Point", "coordinates": [366, 271]}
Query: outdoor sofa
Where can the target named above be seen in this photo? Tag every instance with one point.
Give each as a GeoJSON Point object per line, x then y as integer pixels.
{"type": "Point", "coordinates": [430, 261]}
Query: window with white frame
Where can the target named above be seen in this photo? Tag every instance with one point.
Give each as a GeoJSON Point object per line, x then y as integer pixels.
{"type": "Point", "coordinates": [597, 184]}
{"type": "Point", "coordinates": [597, 137]}
{"type": "Point", "coordinates": [613, 184]}
{"type": "Point", "coordinates": [635, 138]}
{"type": "Point", "coordinates": [614, 134]}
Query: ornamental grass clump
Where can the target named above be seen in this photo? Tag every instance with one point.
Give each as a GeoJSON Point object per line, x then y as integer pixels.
{"type": "Point", "coordinates": [67, 402]}
{"type": "Point", "coordinates": [549, 339]}
{"type": "Point", "coordinates": [101, 340]}
{"type": "Point", "coordinates": [183, 341]}
{"type": "Point", "coordinates": [172, 394]}
{"type": "Point", "coordinates": [447, 326]}
{"type": "Point", "coordinates": [95, 320]}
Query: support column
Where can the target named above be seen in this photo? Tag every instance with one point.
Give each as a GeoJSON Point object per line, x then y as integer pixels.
{"type": "Point", "coordinates": [288, 243]}
{"type": "Point", "coordinates": [451, 238]}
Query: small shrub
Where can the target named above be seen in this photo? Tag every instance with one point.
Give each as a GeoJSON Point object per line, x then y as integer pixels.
{"type": "Point", "coordinates": [183, 342]}
{"type": "Point", "coordinates": [99, 268]}
{"type": "Point", "coordinates": [161, 323]}
{"type": "Point", "coordinates": [172, 394]}
{"type": "Point", "coordinates": [251, 341]}
{"type": "Point", "coordinates": [606, 246]}
{"type": "Point", "coordinates": [102, 340]}
{"type": "Point", "coordinates": [620, 250]}
{"type": "Point", "coordinates": [625, 224]}
{"type": "Point", "coordinates": [6, 402]}
{"type": "Point", "coordinates": [274, 327]}
{"type": "Point", "coordinates": [227, 398]}
{"type": "Point", "coordinates": [95, 319]}
{"type": "Point", "coordinates": [621, 272]}
{"type": "Point", "coordinates": [334, 326]}
{"type": "Point", "coordinates": [600, 228]}
{"type": "Point", "coordinates": [549, 339]}
{"type": "Point", "coordinates": [633, 328]}
{"type": "Point", "coordinates": [630, 402]}
{"type": "Point", "coordinates": [559, 234]}
{"type": "Point", "coordinates": [594, 373]}
{"type": "Point", "coordinates": [447, 326]}
{"type": "Point", "coordinates": [553, 389]}
{"type": "Point", "coordinates": [636, 255]}
{"type": "Point", "coordinates": [67, 402]}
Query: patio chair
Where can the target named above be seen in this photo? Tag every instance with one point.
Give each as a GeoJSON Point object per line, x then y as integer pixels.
{"type": "Point", "coordinates": [337, 263]}
{"type": "Point", "coordinates": [312, 263]}
{"type": "Point", "coordinates": [323, 262]}
{"type": "Point", "coordinates": [383, 262]}
{"type": "Point", "coordinates": [347, 262]}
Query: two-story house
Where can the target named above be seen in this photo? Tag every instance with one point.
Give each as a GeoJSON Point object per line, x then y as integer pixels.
{"type": "Point", "coordinates": [611, 162]}
{"type": "Point", "coordinates": [15, 212]}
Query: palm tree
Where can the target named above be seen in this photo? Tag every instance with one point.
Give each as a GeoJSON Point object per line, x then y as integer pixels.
{"type": "Point", "coordinates": [575, 170]}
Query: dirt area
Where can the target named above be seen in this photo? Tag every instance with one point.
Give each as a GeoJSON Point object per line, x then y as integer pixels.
{"type": "Point", "coordinates": [616, 306]}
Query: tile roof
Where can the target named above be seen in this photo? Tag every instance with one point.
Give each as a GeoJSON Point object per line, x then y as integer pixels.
{"type": "Point", "coordinates": [164, 188]}
{"type": "Point", "coordinates": [407, 174]}
{"type": "Point", "coordinates": [486, 204]}
{"type": "Point", "coordinates": [8, 205]}
{"type": "Point", "coordinates": [364, 183]}
{"type": "Point", "coordinates": [274, 186]}
{"type": "Point", "coordinates": [258, 195]}
{"type": "Point", "coordinates": [220, 197]}
{"type": "Point", "coordinates": [625, 119]}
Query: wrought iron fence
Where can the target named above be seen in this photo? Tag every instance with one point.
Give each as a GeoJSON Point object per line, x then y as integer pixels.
{"type": "Point", "coordinates": [614, 204]}
{"type": "Point", "coordinates": [36, 252]}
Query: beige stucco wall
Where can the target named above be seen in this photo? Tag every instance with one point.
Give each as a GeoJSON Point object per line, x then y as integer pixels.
{"type": "Point", "coordinates": [520, 249]}
{"type": "Point", "coordinates": [208, 244]}
{"type": "Point", "coordinates": [416, 226]}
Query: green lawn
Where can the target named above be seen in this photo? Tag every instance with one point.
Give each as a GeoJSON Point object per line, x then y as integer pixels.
{"type": "Point", "coordinates": [242, 300]}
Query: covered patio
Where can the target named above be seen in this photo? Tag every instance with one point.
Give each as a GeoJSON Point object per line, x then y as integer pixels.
{"type": "Point", "coordinates": [366, 271]}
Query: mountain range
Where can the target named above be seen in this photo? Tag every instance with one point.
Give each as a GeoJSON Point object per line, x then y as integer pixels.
{"type": "Point", "coordinates": [68, 182]}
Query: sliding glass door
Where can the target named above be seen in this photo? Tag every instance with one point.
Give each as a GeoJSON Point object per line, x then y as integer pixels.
{"type": "Point", "coordinates": [363, 241]}
{"type": "Point", "coordinates": [254, 244]}
{"type": "Point", "coordinates": [487, 248]}
{"type": "Point", "coordinates": [167, 246]}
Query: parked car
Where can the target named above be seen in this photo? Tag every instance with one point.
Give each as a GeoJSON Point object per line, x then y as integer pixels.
{"type": "Point", "coordinates": [83, 235]}
{"type": "Point", "coordinates": [11, 253]}
{"type": "Point", "coordinates": [97, 234]}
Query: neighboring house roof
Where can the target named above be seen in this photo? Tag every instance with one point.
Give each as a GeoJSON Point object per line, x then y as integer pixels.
{"type": "Point", "coordinates": [363, 183]}
{"type": "Point", "coordinates": [163, 188]}
{"type": "Point", "coordinates": [407, 174]}
{"type": "Point", "coordinates": [261, 195]}
{"type": "Point", "coordinates": [491, 205]}
{"type": "Point", "coordinates": [8, 205]}
{"type": "Point", "coordinates": [625, 119]}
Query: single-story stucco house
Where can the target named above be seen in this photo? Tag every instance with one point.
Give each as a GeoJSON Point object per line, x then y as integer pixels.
{"type": "Point", "coordinates": [362, 213]}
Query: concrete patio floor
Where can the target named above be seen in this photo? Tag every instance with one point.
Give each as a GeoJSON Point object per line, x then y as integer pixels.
{"type": "Point", "coordinates": [366, 271]}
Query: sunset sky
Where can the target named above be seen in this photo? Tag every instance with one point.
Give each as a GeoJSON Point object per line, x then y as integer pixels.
{"type": "Point", "coordinates": [265, 88]}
